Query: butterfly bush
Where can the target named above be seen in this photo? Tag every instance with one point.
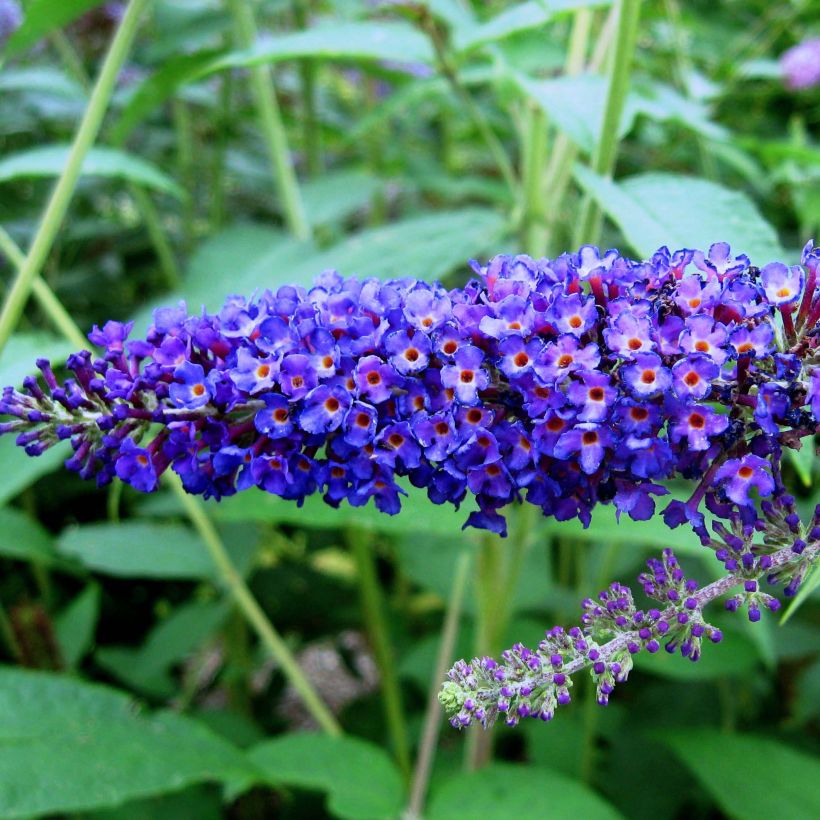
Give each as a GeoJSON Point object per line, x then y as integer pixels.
{"type": "Point", "coordinates": [591, 378]}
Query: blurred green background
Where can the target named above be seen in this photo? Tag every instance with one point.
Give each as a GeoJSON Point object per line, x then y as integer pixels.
{"type": "Point", "coordinates": [253, 144]}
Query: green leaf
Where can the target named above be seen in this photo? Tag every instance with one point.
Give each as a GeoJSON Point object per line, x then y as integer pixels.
{"type": "Point", "coordinates": [171, 641]}
{"type": "Point", "coordinates": [76, 624]}
{"type": "Point", "coordinates": [134, 549]}
{"type": "Point", "coordinates": [20, 471]}
{"type": "Point", "coordinates": [22, 351]}
{"type": "Point", "coordinates": [807, 588]}
{"type": "Point", "coordinates": [517, 18]}
{"type": "Point", "coordinates": [22, 538]}
{"type": "Point", "coordinates": [336, 195]}
{"type": "Point", "coordinates": [49, 161]}
{"type": "Point", "coordinates": [734, 656]}
{"type": "Point", "coordinates": [803, 461]}
{"type": "Point", "coordinates": [155, 89]}
{"type": "Point", "coordinates": [360, 779]}
{"type": "Point", "coordinates": [421, 247]}
{"type": "Point", "coordinates": [41, 80]}
{"type": "Point", "coordinates": [66, 746]}
{"type": "Point", "coordinates": [501, 791]}
{"type": "Point", "coordinates": [748, 776]}
{"type": "Point", "coordinates": [350, 42]}
{"type": "Point", "coordinates": [682, 212]}
{"type": "Point", "coordinates": [41, 18]}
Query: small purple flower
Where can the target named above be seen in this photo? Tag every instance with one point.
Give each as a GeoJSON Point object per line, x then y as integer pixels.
{"type": "Point", "coordinates": [563, 356]}
{"type": "Point", "coordinates": [296, 376]}
{"type": "Point", "coordinates": [191, 389]}
{"type": "Point", "coordinates": [587, 439]}
{"type": "Point", "coordinates": [135, 467]}
{"type": "Point", "coordinates": [397, 443]}
{"type": "Point", "coordinates": [426, 311]}
{"type": "Point", "coordinates": [466, 377]}
{"type": "Point", "coordinates": [801, 64]}
{"type": "Point", "coordinates": [593, 394]}
{"type": "Point", "coordinates": [324, 409]}
{"type": "Point", "coordinates": [646, 376]}
{"type": "Point", "coordinates": [252, 374]}
{"type": "Point", "coordinates": [703, 335]}
{"type": "Point", "coordinates": [719, 260]}
{"type": "Point", "coordinates": [693, 376]}
{"type": "Point", "coordinates": [757, 342]}
{"type": "Point", "coordinates": [513, 316]}
{"type": "Point", "coordinates": [738, 476]}
{"type": "Point", "coordinates": [694, 295]}
{"type": "Point", "coordinates": [11, 17]}
{"type": "Point", "coordinates": [574, 314]}
{"type": "Point", "coordinates": [375, 379]}
{"type": "Point", "coordinates": [697, 424]}
{"type": "Point", "coordinates": [274, 419]}
{"type": "Point", "coordinates": [518, 356]}
{"type": "Point", "coordinates": [360, 424]}
{"type": "Point", "coordinates": [408, 355]}
{"type": "Point", "coordinates": [782, 284]}
{"type": "Point", "coordinates": [437, 434]}
{"type": "Point", "coordinates": [628, 334]}
{"type": "Point", "coordinates": [112, 336]}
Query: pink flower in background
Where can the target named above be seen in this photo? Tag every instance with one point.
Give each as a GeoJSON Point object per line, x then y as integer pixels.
{"type": "Point", "coordinates": [801, 64]}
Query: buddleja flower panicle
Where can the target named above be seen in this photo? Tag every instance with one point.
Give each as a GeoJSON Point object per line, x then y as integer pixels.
{"type": "Point", "coordinates": [565, 383]}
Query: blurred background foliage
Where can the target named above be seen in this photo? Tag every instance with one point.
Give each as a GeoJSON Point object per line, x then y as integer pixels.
{"type": "Point", "coordinates": [422, 134]}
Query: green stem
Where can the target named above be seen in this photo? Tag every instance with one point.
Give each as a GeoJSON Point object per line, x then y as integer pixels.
{"type": "Point", "coordinates": [432, 715]}
{"type": "Point", "coordinates": [373, 608]}
{"type": "Point", "coordinates": [270, 121]}
{"type": "Point", "coordinates": [311, 131]}
{"type": "Point", "coordinates": [217, 210]}
{"type": "Point", "coordinates": [186, 165]}
{"type": "Point", "coordinates": [606, 149]}
{"type": "Point", "coordinates": [156, 233]}
{"type": "Point", "coordinates": [71, 60]}
{"type": "Point", "coordinates": [533, 178]}
{"type": "Point", "coordinates": [51, 305]}
{"type": "Point", "coordinates": [450, 72]}
{"type": "Point", "coordinates": [251, 611]}
{"type": "Point", "coordinates": [55, 211]}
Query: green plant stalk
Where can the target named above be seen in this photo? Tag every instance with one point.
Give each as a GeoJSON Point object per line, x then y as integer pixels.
{"type": "Point", "coordinates": [562, 157]}
{"type": "Point", "coordinates": [373, 609]}
{"type": "Point", "coordinates": [186, 168]}
{"type": "Point", "coordinates": [270, 121]}
{"type": "Point", "coordinates": [450, 72]}
{"type": "Point", "coordinates": [87, 132]}
{"type": "Point", "coordinates": [432, 715]}
{"type": "Point", "coordinates": [532, 172]}
{"type": "Point", "coordinates": [50, 304]}
{"type": "Point", "coordinates": [156, 233]}
{"type": "Point", "coordinates": [218, 181]}
{"type": "Point", "coordinates": [71, 59]}
{"type": "Point", "coordinates": [250, 609]}
{"type": "Point", "coordinates": [606, 148]}
{"type": "Point", "coordinates": [308, 69]}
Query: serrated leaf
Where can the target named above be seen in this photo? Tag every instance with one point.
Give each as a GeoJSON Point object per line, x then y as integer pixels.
{"type": "Point", "coordinates": [359, 777]}
{"type": "Point", "coordinates": [350, 42]}
{"type": "Point", "coordinates": [682, 212]}
{"type": "Point", "coordinates": [76, 624]}
{"type": "Point", "coordinates": [50, 160]}
{"type": "Point", "coordinates": [748, 776]}
{"type": "Point", "coordinates": [41, 18]}
{"type": "Point", "coordinates": [134, 549]}
{"type": "Point", "coordinates": [500, 791]}
{"type": "Point", "coordinates": [67, 746]}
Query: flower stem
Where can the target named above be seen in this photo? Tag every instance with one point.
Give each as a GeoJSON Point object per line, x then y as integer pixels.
{"type": "Point", "coordinates": [251, 611]}
{"type": "Point", "coordinates": [55, 211]}
{"type": "Point", "coordinates": [270, 121]}
{"type": "Point", "coordinates": [432, 715]}
{"type": "Point", "coordinates": [374, 617]}
{"type": "Point", "coordinates": [603, 160]}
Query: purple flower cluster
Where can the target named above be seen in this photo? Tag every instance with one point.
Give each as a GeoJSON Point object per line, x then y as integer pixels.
{"type": "Point", "coordinates": [801, 64]}
{"type": "Point", "coordinates": [588, 378]}
{"type": "Point", "coordinates": [534, 682]}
